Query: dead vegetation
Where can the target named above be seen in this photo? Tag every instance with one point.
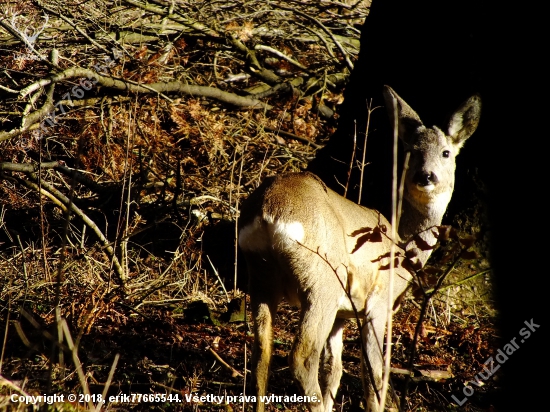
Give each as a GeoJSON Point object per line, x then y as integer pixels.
{"type": "Point", "coordinates": [130, 131]}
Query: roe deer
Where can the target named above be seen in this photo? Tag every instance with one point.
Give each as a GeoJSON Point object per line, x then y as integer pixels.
{"type": "Point", "coordinates": [328, 255]}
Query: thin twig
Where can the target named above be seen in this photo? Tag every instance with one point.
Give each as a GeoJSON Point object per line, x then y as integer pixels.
{"type": "Point", "coordinates": [218, 276]}
{"type": "Point", "coordinates": [323, 27]}
{"type": "Point", "coordinates": [426, 300]}
{"type": "Point", "coordinates": [394, 223]}
{"type": "Point", "coordinates": [234, 373]}
{"type": "Point", "coordinates": [281, 55]}
{"type": "Point", "coordinates": [350, 171]}
{"type": "Point", "coordinates": [61, 198]}
{"type": "Point", "coordinates": [108, 383]}
{"type": "Point", "coordinates": [77, 363]}
{"type": "Point", "coordinates": [73, 24]}
{"type": "Point", "coordinates": [292, 136]}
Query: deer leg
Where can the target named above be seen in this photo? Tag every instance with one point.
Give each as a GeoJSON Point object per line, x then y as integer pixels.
{"type": "Point", "coordinates": [315, 326]}
{"type": "Point", "coordinates": [331, 366]}
{"type": "Point", "coordinates": [373, 336]}
{"type": "Point", "coordinates": [264, 302]}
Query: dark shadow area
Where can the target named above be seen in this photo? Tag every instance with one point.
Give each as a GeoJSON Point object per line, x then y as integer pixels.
{"type": "Point", "coordinates": [435, 55]}
{"type": "Point", "coordinates": [429, 53]}
{"type": "Point", "coordinates": [515, 114]}
{"type": "Point", "coordinates": [218, 245]}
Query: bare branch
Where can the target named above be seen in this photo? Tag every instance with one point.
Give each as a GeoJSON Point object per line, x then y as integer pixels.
{"type": "Point", "coordinates": [327, 31]}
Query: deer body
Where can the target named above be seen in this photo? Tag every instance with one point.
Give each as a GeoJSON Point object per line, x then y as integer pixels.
{"type": "Point", "coordinates": [330, 256]}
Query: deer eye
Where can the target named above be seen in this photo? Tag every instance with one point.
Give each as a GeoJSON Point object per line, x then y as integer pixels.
{"type": "Point", "coordinates": [446, 153]}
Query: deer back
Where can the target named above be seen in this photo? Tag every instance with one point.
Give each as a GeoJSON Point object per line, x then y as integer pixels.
{"type": "Point", "coordinates": [316, 237]}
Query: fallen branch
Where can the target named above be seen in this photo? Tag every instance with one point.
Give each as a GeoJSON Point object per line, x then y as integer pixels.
{"type": "Point", "coordinates": [324, 28]}
{"type": "Point", "coordinates": [74, 25]}
{"type": "Point", "coordinates": [169, 87]}
{"type": "Point", "coordinates": [31, 121]}
{"type": "Point", "coordinates": [161, 11]}
{"type": "Point", "coordinates": [292, 136]}
{"type": "Point", "coordinates": [281, 55]}
{"type": "Point", "coordinates": [26, 167]}
{"type": "Point", "coordinates": [72, 173]}
{"type": "Point", "coordinates": [234, 372]}
{"type": "Point", "coordinates": [62, 201]}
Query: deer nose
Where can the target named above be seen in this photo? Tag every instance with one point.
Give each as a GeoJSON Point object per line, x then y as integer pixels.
{"type": "Point", "coordinates": [425, 178]}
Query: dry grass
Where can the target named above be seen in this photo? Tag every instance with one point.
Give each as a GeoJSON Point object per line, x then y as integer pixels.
{"type": "Point", "coordinates": [162, 177]}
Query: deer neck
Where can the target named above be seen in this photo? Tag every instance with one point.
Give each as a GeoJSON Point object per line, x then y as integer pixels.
{"type": "Point", "coordinates": [417, 220]}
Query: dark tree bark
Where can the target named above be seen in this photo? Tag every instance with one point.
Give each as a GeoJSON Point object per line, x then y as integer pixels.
{"type": "Point", "coordinates": [435, 54]}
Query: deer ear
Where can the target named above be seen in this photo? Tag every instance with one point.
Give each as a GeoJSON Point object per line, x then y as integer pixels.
{"type": "Point", "coordinates": [464, 120]}
{"type": "Point", "coordinates": [408, 120]}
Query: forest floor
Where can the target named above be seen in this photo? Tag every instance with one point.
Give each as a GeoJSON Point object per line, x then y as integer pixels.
{"type": "Point", "coordinates": [129, 292]}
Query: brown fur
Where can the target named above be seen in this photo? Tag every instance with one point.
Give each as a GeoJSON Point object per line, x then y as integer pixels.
{"type": "Point", "coordinates": [328, 255]}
